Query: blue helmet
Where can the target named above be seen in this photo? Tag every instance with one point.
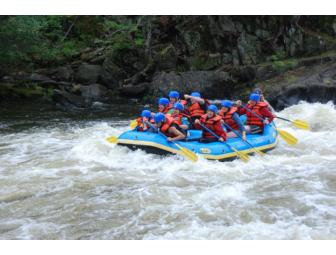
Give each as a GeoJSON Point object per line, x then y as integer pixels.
{"type": "Point", "coordinates": [213, 108]}
{"type": "Point", "coordinates": [227, 103]}
{"type": "Point", "coordinates": [146, 113]}
{"type": "Point", "coordinates": [255, 97]}
{"type": "Point", "coordinates": [174, 94]}
{"type": "Point", "coordinates": [163, 101]}
{"type": "Point", "coordinates": [257, 91]}
{"type": "Point", "coordinates": [195, 94]}
{"type": "Point", "coordinates": [179, 106]}
{"type": "Point", "coordinates": [159, 117]}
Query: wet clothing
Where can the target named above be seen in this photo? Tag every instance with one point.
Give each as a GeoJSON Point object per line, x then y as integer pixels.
{"type": "Point", "coordinates": [170, 122]}
{"type": "Point", "coordinates": [142, 126]}
{"type": "Point", "coordinates": [196, 110]}
{"type": "Point", "coordinates": [214, 124]}
{"type": "Point", "coordinates": [181, 119]}
{"type": "Point", "coordinates": [232, 119]}
{"type": "Point", "coordinates": [260, 109]}
{"type": "Point", "coordinates": [166, 109]}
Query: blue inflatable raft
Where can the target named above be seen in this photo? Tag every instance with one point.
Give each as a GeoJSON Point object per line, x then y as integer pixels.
{"type": "Point", "coordinates": [157, 144]}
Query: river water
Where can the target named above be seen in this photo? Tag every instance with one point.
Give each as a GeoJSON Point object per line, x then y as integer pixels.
{"type": "Point", "coordinates": [60, 179]}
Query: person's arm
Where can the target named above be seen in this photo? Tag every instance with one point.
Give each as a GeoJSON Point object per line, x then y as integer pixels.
{"type": "Point", "coordinates": [241, 110]}
{"type": "Point", "coordinates": [197, 99]}
{"type": "Point", "coordinates": [236, 118]}
{"type": "Point", "coordinates": [218, 129]}
{"type": "Point", "coordinates": [197, 124]}
{"type": "Point", "coordinates": [178, 135]}
{"type": "Point", "coordinates": [267, 114]}
{"type": "Point", "coordinates": [184, 123]}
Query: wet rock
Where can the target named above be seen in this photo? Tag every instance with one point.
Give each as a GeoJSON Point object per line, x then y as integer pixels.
{"type": "Point", "coordinates": [313, 84]}
{"type": "Point", "coordinates": [109, 79]}
{"type": "Point", "coordinates": [7, 78]}
{"type": "Point", "coordinates": [89, 54]}
{"type": "Point", "coordinates": [248, 49]}
{"type": "Point", "coordinates": [67, 99]}
{"type": "Point", "coordinates": [93, 92]}
{"type": "Point", "coordinates": [243, 73]}
{"type": "Point", "coordinates": [111, 73]}
{"type": "Point", "coordinates": [165, 57]}
{"type": "Point", "coordinates": [209, 83]}
{"type": "Point", "coordinates": [35, 77]}
{"type": "Point", "coordinates": [63, 73]}
{"type": "Point", "coordinates": [134, 91]}
{"type": "Point", "coordinates": [88, 74]}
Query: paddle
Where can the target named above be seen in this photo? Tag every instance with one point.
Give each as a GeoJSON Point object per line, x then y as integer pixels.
{"type": "Point", "coordinates": [289, 138]}
{"type": "Point", "coordinates": [186, 152]}
{"type": "Point", "coordinates": [112, 139]}
{"type": "Point", "coordinates": [237, 134]}
{"type": "Point", "coordinates": [133, 124]}
{"type": "Point", "coordinates": [297, 123]}
{"type": "Point", "coordinates": [243, 156]}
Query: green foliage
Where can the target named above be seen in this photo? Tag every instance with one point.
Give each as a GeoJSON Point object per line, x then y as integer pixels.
{"type": "Point", "coordinates": [279, 55]}
{"type": "Point", "coordinates": [43, 39]}
{"type": "Point", "coordinates": [284, 65]}
{"type": "Point", "coordinates": [123, 34]}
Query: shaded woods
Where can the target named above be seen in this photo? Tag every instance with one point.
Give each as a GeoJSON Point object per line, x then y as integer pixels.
{"type": "Point", "coordinates": [77, 60]}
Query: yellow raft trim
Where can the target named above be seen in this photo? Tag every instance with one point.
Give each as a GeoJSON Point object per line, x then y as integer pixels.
{"type": "Point", "coordinates": [207, 156]}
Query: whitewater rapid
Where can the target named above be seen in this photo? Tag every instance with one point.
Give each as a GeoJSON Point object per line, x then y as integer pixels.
{"type": "Point", "coordinates": [64, 181]}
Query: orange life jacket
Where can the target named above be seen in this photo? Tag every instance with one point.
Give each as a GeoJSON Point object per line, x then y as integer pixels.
{"type": "Point", "coordinates": [252, 119]}
{"type": "Point", "coordinates": [141, 125]}
{"type": "Point", "coordinates": [227, 117]}
{"type": "Point", "coordinates": [209, 123]}
{"type": "Point", "coordinates": [167, 124]}
{"type": "Point", "coordinates": [178, 117]}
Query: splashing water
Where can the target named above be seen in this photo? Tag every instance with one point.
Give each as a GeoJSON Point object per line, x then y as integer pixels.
{"type": "Point", "coordinates": [66, 182]}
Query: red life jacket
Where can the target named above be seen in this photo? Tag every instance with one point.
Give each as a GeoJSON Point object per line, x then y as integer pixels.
{"type": "Point", "coordinates": [196, 110]}
{"type": "Point", "coordinates": [210, 124]}
{"type": "Point", "coordinates": [252, 119]}
{"type": "Point", "coordinates": [166, 109]}
{"type": "Point", "coordinates": [227, 117]}
{"type": "Point", "coordinates": [167, 124]}
{"type": "Point", "coordinates": [184, 102]}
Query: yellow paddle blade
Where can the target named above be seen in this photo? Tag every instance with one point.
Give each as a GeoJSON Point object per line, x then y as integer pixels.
{"type": "Point", "coordinates": [133, 124]}
{"type": "Point", "coordinates": [289, 138]}
{"type": "Point", "coordinates": [242, 155]}
{"type": "Point", "coordinates": [112, 139]}
{"type": "Point", "coordinates": [260, 152]}
{"type": "Point", "coordinates": [301, 124]}
{"type": "Point", "coordinates": [188, 153]}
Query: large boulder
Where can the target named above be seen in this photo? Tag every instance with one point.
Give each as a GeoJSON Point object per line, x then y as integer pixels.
{"type": "Point", "coordinates": [111, 73]}
{"type": "Point", "coordinates": [88, 74]}
{"type": "Point", "coordinates": [209, 83]}
{"type": "Point", "coordinates": [312, 84]}
{"type": "Point", "coordinates": [165, 57]}
{"type": "Point", "coordinates": [68, 100]}
{"type": "Point", "coordinates": [63, 73]}
{"type": "Point", "coordinates": [93, 92]}
{"type": "Point", "coordinates": [36, 77]}
{"type": "Point", "coordinates": [134, 91]}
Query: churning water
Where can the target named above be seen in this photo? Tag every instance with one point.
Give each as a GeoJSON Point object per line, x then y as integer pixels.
{"type": "Point", "coordinates": [60, 179]}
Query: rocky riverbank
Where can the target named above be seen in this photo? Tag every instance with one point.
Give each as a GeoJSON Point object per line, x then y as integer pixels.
{"type": "Point", "coordinates": [290, 57]}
